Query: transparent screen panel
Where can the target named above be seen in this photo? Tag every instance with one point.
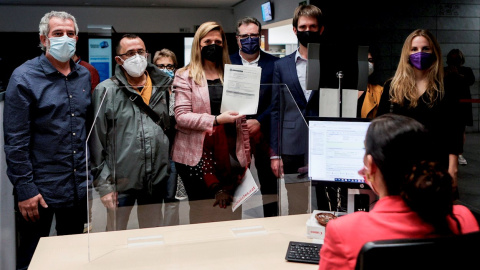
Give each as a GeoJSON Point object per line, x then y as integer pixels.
{"type": "Point", "coordinates": [233, 165]}
{"type": "Point", "coordinates": [101, 162]}
{"type": "Point", "coordinates": [289, 141]}
{"type": "Point", "coordinates": [134, 184]}
{"type": "Point", "coordinates": [129, 161]}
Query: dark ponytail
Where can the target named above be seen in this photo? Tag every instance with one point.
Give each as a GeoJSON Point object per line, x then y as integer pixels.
{"type": "Point", "coordinates": [403, 152]}
{"type": "Point", "coordinates": [428, 191]}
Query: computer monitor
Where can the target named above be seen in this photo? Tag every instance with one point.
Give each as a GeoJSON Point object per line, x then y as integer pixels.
{"type": "Point", "coordinates": [336, 150]}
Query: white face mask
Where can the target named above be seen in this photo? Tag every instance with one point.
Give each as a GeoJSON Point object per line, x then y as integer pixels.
{"type": "Point", "coordinates": [62, 48]}
{"type": "Point", "coordinates": [135, 66]}
{"type": "Point", "coordinates": [370, 68]}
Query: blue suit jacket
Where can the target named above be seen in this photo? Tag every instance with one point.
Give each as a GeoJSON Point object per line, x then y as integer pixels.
{"type": "Point", "coordinates": [266, 62]}
{"type": "Point", "coordinates": [289, 131]}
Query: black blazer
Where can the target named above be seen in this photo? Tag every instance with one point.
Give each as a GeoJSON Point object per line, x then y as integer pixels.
{"type": "Point", "coordinates": [288, 128]}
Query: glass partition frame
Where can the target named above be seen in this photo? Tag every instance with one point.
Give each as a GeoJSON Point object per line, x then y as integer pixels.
{"type": "Point", "coordinates": [108, 134]}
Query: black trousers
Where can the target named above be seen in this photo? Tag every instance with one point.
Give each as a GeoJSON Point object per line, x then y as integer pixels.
{"type": "Point", "coordinates": [68, 221]}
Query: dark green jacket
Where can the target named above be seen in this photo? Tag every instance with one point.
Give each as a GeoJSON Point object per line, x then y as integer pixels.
{"type": "Point", "coordinates": [128, 150]}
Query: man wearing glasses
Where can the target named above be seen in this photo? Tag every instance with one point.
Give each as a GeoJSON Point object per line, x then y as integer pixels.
{"type": "Point", "coordinates": [248, 39]}
{"type": "Point", "coordinates": [129, 147]}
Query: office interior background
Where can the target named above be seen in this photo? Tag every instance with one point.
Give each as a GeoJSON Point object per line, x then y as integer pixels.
{"type": "Point", "coordinates": [169, 23]}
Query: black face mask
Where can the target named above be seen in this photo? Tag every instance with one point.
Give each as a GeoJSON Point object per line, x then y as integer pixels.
{"type": "Point", "coordinates": [305, 37]}
{"type": "Point", "coordinates": [213, 53]}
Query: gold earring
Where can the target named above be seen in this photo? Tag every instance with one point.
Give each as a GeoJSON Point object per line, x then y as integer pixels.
{"type": "Point", "coordinates": [370, 178]}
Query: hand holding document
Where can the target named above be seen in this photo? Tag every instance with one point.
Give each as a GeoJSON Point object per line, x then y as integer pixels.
{"type": "Point", "coordinates": [244, 191]}
{"type": "Point", "coordinates": [241, 89]}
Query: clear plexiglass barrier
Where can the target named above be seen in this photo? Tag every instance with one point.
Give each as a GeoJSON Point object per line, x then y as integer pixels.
{"type": "Point", "coordinates": [255, 167]}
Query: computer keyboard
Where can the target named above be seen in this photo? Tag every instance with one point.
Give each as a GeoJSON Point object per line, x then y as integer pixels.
{"type": "Point", "coordinates": [303, 252]}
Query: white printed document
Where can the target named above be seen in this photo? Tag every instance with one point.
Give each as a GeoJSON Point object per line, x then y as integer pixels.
{"type": "Point", "coordinates": [244, 191]}
{"type": "Point", "coordinates": [241, 89]}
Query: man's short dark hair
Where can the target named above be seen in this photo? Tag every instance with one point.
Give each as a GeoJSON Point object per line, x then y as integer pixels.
{"type": "Point", "coordinates": [308, 11]}
{"type": "Point", "coordinates": [249, 20]}
{"type": "Point", "coordinates": [129, 36]}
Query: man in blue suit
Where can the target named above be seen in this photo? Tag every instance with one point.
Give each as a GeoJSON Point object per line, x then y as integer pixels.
{"type": "Point", "coordinates": [249, 54]}
{"type": "Point", "coordinates": [289, 131]}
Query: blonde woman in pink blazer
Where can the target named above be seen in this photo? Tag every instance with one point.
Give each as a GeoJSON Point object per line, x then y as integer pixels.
{"type": "Point", "coordinates": [198, 90]}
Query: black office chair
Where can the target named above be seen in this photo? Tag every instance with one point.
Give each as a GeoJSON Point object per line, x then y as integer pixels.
{"type": "Point", "coordinates": [453, 252]}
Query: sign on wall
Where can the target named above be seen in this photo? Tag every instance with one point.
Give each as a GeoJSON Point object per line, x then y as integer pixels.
{"type": "Point", "coordinates": [100, 56]}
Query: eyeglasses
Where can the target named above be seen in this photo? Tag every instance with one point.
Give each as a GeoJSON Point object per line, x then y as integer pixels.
{"type": "Point", "coordinates": [169, 66]}
{"type": "Point", "coordinates": [249, 36]}
{"type": "Point", "coordinates": [131, 53]}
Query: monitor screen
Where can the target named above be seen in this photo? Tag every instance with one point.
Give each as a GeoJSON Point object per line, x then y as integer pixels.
{"type": "Point", "coordinates": [267, 14]}
{"type": "Point", "coordinates": [336, 149]}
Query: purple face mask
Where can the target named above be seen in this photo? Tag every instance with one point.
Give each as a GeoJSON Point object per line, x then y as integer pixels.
{"type": "Point", "coordinates": [422, 60]}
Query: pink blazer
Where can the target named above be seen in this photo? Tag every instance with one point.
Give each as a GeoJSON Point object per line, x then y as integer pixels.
{"type": "Point", "coordinates": [390, 219]}
{"type": "Point", "coordinates": [194, 121]}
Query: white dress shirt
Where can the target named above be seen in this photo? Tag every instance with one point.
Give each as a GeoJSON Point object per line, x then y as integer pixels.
{"type": "Point", "coordinates": [301, 64]}
{"type": "Point", "coordinates": [253, 63]}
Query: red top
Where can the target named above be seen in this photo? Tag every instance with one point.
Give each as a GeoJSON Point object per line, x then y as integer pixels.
{"type": "Point", "coordinates": [94, 76]}
{"type": "Point", "coordinates": [391, 218]}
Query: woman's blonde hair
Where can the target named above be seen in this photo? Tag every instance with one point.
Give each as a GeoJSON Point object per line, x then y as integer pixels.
{"type": "Point", "coordinates": [195, 66]}
{"type": "Point", "coordinates": [403, 83]}
{"type": "Point", "coordinates": [165, 53]}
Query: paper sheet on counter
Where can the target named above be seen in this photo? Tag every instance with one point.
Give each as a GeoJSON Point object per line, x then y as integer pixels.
{"type": "Point", "coordinates": [241, 89]}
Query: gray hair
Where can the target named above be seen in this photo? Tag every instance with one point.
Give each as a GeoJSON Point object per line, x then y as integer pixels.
{"type": "Point", "coordinates": [44, 26]}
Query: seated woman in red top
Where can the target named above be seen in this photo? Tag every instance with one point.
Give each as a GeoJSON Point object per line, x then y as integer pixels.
{"type": "Point", "coordinates": [415, 194]}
